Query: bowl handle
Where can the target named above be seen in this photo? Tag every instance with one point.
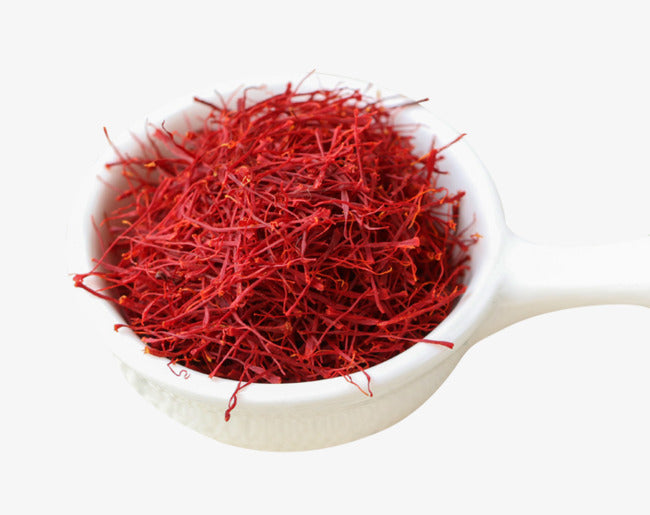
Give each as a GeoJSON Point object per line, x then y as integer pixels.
{"type": "Point", "coordinates": [542, 278]}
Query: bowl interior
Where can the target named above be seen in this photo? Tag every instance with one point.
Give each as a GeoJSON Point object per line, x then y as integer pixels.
{"type": "Point", "coordinates": [480, 212]}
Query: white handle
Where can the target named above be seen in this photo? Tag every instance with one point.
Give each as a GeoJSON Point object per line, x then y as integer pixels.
{"type": "Point", "coordinates": [542, 278]}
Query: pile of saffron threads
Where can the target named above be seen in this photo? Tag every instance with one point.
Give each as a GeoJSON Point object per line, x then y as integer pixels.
{"type": "Point", "coordinates": [290, 239]}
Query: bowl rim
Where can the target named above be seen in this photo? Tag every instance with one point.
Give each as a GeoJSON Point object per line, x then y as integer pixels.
{"type": "Point", "coordinates": [407, 366]}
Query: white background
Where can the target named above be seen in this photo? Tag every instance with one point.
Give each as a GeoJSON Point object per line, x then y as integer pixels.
{"type": "Point", "coordinates": [548, 416]}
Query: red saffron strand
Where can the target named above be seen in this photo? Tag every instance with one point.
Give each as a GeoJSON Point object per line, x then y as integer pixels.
{"type": "Point", "coordinates": [286, 240]}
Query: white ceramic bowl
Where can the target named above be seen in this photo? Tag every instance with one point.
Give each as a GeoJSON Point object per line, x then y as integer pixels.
{"type": "Point", "coordinates": [510, 280]}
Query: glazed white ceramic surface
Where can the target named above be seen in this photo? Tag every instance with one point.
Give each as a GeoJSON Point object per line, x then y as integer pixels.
{"type": "Point", "coordinates": [511, 279]}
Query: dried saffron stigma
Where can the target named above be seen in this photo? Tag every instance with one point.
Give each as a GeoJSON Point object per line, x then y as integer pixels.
{"type": "Point", "coordinates": [290, 239]}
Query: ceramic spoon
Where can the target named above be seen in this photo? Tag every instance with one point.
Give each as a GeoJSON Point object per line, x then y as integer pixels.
{"type": "Point", "coordinates": [511, 279]}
